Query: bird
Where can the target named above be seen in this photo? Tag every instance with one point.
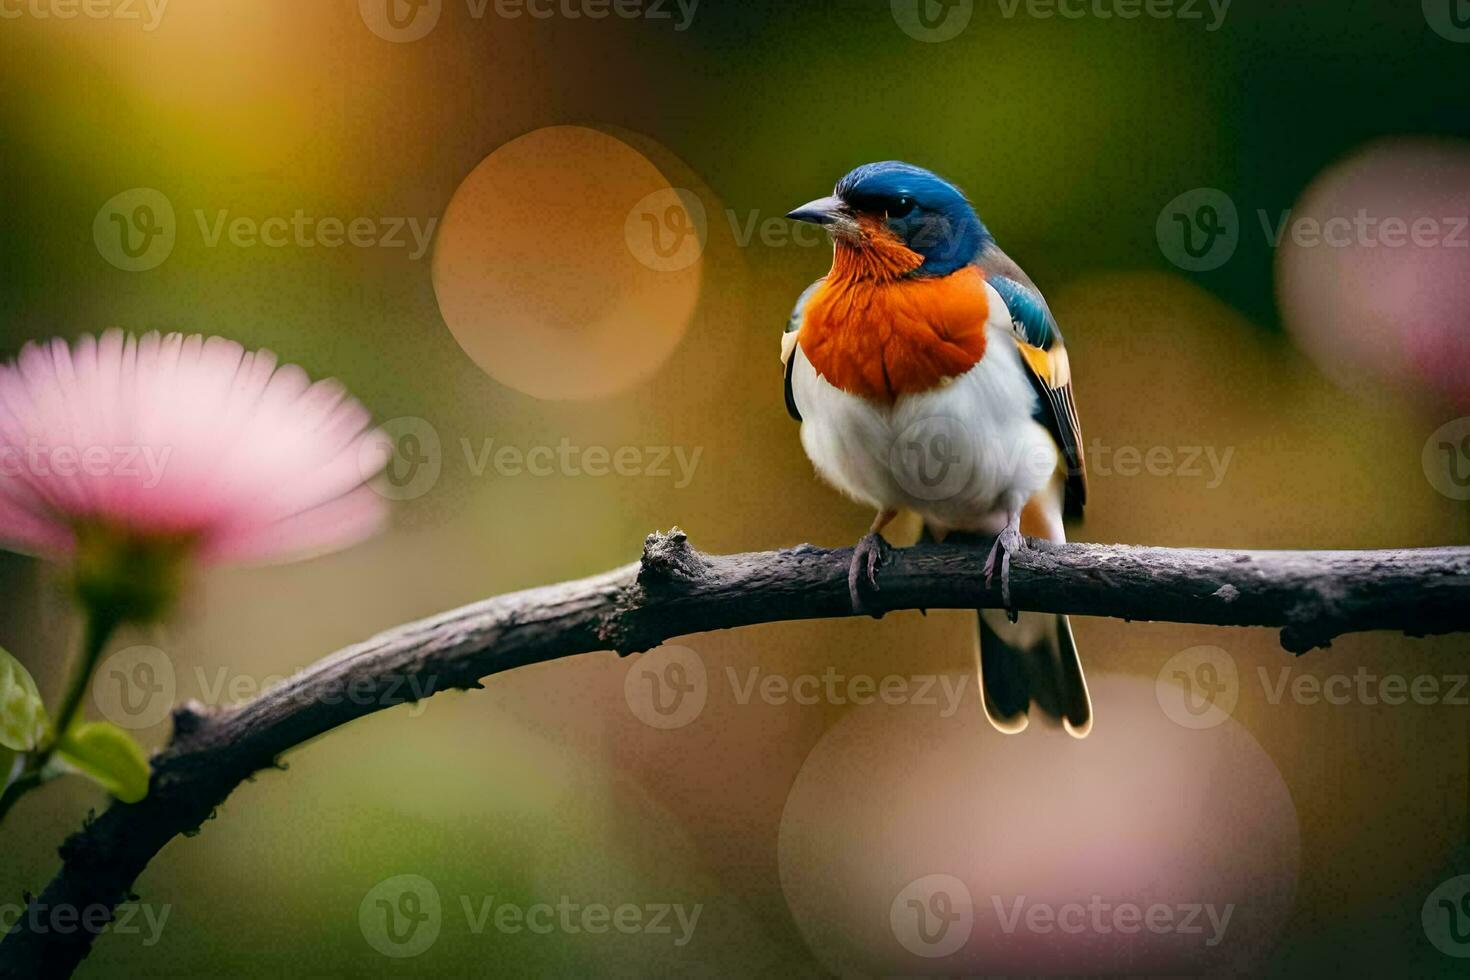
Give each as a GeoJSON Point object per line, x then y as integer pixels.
{"type": "Point", "coordinates": [929, 375]}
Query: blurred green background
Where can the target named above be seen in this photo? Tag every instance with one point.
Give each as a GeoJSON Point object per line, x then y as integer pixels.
{"type": "Point", "coordinates": [1072, 135]}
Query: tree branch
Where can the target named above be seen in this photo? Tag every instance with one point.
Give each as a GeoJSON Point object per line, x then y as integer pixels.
{"type": "Point", "coordinates": [673, 591]}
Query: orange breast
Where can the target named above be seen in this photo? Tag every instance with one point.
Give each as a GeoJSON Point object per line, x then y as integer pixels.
{"type": "Point", "coordinates": [885, 337]}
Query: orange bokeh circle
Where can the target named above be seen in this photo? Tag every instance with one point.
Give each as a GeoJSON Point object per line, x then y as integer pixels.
{"type": "Point", "coordinates": [556, 275]}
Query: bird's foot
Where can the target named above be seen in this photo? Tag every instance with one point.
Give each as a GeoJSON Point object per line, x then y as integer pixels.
{"type": "Point", "coordinates": [862, 574]}
{"type": "Point", "coordinates": [1007, 543]}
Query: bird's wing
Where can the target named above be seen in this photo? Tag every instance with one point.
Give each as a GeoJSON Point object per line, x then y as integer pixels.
{"type": "Point", "coordinates": [788, 345]}
{"type": "Point", "coordinates": [1045, 356]}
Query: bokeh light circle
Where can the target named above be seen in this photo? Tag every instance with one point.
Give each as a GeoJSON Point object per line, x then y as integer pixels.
{"type": "Point", "coordinates": [536, 275]}
{"type": "Point", "coordinates": [905, 830]}
{"type": "Point", "coordinates": [1374, 271]}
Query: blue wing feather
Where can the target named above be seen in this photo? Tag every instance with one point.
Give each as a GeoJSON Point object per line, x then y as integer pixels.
{"type": "Point", "coordinates": [1029, 312]}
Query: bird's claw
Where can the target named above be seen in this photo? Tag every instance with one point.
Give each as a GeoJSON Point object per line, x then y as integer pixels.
{"type": "Point", "coordinates": [862, 574]}
{"type": "Point", "coordinates": [1007, 543]}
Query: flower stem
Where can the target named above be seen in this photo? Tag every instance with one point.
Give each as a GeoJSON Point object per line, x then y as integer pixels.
{"type": "Point", "coordinates": [23, 784]}
{"type": "Point", "coordinates": [99, 629]}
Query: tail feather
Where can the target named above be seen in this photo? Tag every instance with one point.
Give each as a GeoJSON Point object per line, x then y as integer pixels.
{"type": "Point", "coordinates": [1032, 661]}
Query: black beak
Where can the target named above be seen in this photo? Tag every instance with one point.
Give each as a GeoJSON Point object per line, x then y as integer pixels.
{"type": "Point", "coordinates": [822, 211]}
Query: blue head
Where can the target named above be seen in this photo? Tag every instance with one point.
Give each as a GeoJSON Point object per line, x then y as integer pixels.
{"type": "Point", "coordinates": [925, 212]}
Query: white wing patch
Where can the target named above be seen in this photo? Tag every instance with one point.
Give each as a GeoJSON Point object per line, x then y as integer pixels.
{"type": "Point", "coordinates": [788, 344]}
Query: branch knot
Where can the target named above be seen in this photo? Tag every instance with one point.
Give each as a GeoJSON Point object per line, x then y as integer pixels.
{"type": "Point", "coordinates": [189, 717]}
{"type": "Point", "coordinates": [669, 558]}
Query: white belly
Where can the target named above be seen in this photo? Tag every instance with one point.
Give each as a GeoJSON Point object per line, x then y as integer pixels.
{"type": "Point", "coordinates": [961, 455]}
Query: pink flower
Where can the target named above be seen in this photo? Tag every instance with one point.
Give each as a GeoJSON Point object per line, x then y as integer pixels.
{"type": "Point", "coordinates": [126, 448]}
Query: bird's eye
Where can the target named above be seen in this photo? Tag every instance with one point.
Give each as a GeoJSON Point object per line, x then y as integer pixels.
{"type": "Point", "coordinates": [901, 207]}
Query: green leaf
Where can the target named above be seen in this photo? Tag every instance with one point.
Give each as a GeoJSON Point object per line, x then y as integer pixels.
{"type": "Point", "coordinates": [109, 757]}
{"type": "Point", "coordinates": [23, 720]}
